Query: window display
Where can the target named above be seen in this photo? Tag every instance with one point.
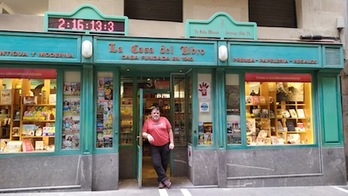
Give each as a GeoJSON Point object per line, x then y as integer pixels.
{"type": "Point", "coordinates": [233, 109]}
{"type": "Point", "coordinates": [205, 123]}
{"type": "Point", "coordinates": [27, 110]}
{"type": "Point", "coordinates": [71, 111]}
{"type": "Point", "coordinates": [278, 109]}
{"type": "Point", "coordinates": [105, 109]}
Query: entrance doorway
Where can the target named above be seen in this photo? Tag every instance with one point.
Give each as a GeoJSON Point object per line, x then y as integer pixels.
{"type": "Point", "coordinates": [149, 99]}
{"type": "Point", "coordinates": [138, 94]}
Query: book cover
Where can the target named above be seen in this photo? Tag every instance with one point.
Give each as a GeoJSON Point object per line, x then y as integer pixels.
{"type": "Point", "coordinates": [52, 99]}
{"type": "Point", "coordinates": [290, 124]}
{"type": "Point", "coordinates": [301, 113]}
{"type": "Point", "coordinates": [67, 88]}
{"type": "Point", "coordinates": [27, 146]}
{"type": "Point", "coordinates": [71, 106]}
{"type": "Point", "coordinates": [208, 127]}
{"type": "Point", "coordinates": [28, 129]}
{"type": "Point", "coordinates": [6, 98]}
{"type": "Point", "coordinates": [39, 145]}
{"type": "Point", "coordinates": [13, 146]}
{"type": "Point", "coordinates": [293, 113]}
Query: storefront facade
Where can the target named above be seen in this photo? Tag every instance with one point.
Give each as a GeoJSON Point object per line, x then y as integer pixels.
{"type": "Point", "coordinates": [244, 112]}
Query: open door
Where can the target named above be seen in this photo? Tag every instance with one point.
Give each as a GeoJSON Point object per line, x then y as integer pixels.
{"type": "Point", "coordinates": [180, 122]}
{"type": "Point", "coordinates": [140, 138]}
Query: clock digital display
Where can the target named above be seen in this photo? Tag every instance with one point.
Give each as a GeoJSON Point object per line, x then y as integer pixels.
{"type": "Point", "coordinates": [77, 24]}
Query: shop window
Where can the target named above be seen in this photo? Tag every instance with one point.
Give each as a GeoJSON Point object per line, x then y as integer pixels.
{"type": "Point", "coordinates": [71, 110]}
{"type": "Point", "coordinates": [27, 110]}
{"type": "Point", "coordinates": [105, 110]}
{"type": "Point", "coordinates": [270, 13]}
{"type": "Point", "coordinates": [160, 10]}
{"type": "Point", "coordinates": [278, 109]}
{"type": "Point", "coordinates": [126, 125]}
{"type": "Point", "coordinates": [233, 109]}
{"type": "Point", "coordinates": [205, 121]}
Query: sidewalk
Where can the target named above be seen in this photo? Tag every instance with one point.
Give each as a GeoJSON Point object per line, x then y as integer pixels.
{"type": "Point", "coordinates": [177, 191]}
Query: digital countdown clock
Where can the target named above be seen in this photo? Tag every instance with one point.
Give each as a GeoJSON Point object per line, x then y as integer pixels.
{"type": "Point", "coordinates": [78, 24]}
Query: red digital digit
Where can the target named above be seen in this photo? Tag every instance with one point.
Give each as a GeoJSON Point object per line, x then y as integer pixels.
{"type": "Point", "coordinates": [111, 26]}
{"type": "Point", "coordinates": [61, 23]}
{"type": "Point", "coordinates": [80, 25]}
{"type": "Point", "coordinates": [92, 25]}
{"type": "Point", "coordinates": [74, 24]}
{"type": "Point", "coordinates": [99, 25]}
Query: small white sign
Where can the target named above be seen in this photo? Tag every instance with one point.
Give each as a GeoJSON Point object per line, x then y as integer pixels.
{"type": "Point", "coordinates": [204, 107]}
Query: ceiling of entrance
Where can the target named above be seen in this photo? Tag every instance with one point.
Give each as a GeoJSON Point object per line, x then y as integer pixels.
{"type": "Point", "coordinates": [25, 7]}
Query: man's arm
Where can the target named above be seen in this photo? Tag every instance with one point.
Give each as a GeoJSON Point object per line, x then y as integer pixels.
{"type": "Point", "coordinates": [171, 139]}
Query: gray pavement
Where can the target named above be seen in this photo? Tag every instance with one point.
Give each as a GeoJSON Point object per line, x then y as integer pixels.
{"type": "Point", "coordinates": [177, 191]}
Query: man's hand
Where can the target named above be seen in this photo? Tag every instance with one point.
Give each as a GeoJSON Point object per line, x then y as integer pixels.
{"type": "Point", "coordinates": [150, 138]}
{"type": "Point", "coordinates": [171, 146]}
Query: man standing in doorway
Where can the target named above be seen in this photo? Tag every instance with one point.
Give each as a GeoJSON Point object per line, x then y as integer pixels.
{"type": "Point", "coordinates": [158, 131]}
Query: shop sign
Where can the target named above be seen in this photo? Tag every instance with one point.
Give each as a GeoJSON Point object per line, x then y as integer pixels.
{"type": "Point", "coordinates": [280, 55]}
{"type": "Point", "coordinates": [27, 47]}
{"type": "Point", "coordinates": [220, 25]}
{"type": "Point", "coordinates": [277, 77]}
{"type": "Point", "coordinates": [28, 73]}
{"type": "Point", "coordinates": [155, 52]}
{"type": "Point", "coordinates": [87, 19]}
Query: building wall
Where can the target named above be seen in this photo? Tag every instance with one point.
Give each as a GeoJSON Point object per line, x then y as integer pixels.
{"type": "Point", "coordinates": [317, 17]}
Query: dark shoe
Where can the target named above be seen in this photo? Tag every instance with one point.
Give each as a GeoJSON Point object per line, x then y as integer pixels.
{"type": "Point", "coordinates": [161, 185]}
{"type": "Point", "coordinates": [167, 183]}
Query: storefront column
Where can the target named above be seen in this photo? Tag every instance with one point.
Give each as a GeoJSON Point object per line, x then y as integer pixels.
{"type": "Point", "coordinates": [87, 128]}
{"type": "Point", "coordinates": [221, 141]}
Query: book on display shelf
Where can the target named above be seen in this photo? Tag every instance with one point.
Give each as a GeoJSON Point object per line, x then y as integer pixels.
{"type": "Point", "coordinates": [301, 113]}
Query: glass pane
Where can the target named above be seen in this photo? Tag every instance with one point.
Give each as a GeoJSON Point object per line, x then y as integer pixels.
{"type": "Point", "coordinates": [233, 109]}
{"type": "Point", "coordinates": [279, 112]}
{"type": "Point", "coordinates": [105, 86]}
{"type": "Point", "coordinates": [126, 136]}
{"type": "Point", "coordinates": [179, 128]}
{"type": "Point", "coordinates": [27, 110]}
{"type": "Point", "coordinates": [71, 110]}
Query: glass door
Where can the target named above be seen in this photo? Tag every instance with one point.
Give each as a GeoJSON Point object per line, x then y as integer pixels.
{"type": "Point", "coordinates": [180, 109]}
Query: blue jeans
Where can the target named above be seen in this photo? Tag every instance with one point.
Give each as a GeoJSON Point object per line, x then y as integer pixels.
{"type": "Point", "coordinates": [160, 160]}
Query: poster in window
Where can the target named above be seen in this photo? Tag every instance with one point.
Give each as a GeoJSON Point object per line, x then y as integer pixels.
{"type": "Point", "coordinates": [232, 97]}
{"type": "Point", "coordinates": [204, 90]}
